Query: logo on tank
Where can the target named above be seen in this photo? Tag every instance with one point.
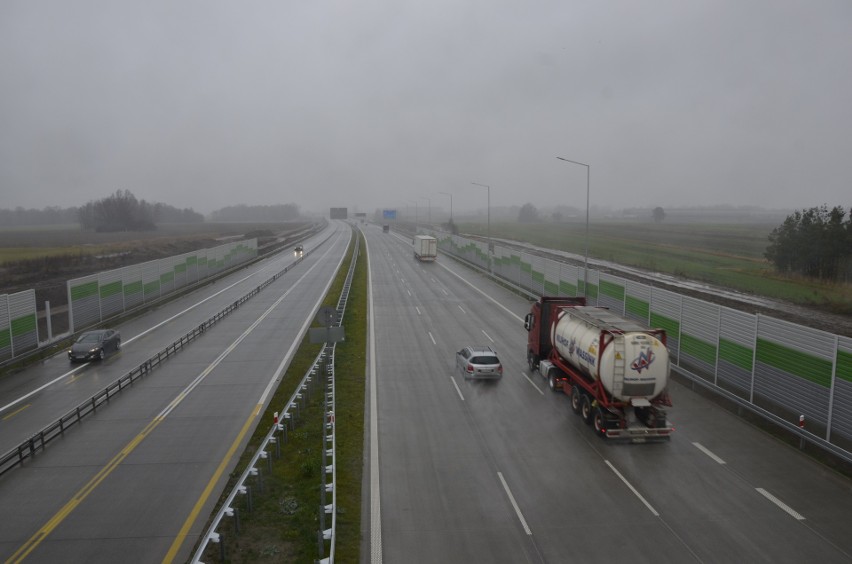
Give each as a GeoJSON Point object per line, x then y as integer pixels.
{"type": "Point", "coordinates": [643, 361]}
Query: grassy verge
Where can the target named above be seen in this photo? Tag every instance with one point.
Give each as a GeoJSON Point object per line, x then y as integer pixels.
{"type": "Point", "coordinates": [729, 255]}
{"type": "Point", "coordinates": [283, 522]}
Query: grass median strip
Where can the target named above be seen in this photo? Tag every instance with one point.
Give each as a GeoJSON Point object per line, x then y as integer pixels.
{"type": "Point", "coordinates": [283, 522]}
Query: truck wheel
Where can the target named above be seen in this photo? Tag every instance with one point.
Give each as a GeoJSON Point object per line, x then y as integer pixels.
{"type": "Point", "coordinates": [586, 409]}
{"type": "Point", "coordinates": [552, 383]}
{"type": "Point", "coordinates": [599, 422]}
{"type": "Point", "coordinates": [576, 398]}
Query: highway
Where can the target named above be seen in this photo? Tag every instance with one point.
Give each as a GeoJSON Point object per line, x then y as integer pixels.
{"type": "Point", "coordinates": [462, 472]}
{"type": "Point", "coordinates": [506, 472]}
{"type": "Point", "coordinates": [136, 481]}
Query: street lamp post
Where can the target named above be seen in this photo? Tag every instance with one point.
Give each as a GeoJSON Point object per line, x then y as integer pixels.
{"type": "Point", "coordinates": [586, 257]}
{"type": "Point", "coordinates": [429, 208]}
{"type": "Point", "coordinates": [451, 205]}
{"type": "Point", "coordinates": [488, 225]}
{"type": "Point", "coordinates": [415, 213]}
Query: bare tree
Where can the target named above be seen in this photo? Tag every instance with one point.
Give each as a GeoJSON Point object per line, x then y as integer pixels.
{"type": "Point", "coordinates": [528, 213]}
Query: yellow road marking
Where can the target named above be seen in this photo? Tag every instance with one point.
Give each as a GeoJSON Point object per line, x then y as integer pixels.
{"type": "Point", "coordinates": [60, 516]}
{"type": "Point", "coordinates": [193, 515]}
{"type": "Point", "coordinates": [17, 411]}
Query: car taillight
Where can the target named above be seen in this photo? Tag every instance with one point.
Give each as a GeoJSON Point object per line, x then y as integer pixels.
{"type": "Point", "coordinates": [500, 369]}
{"type": "Point", "coordinates": [469, 368]}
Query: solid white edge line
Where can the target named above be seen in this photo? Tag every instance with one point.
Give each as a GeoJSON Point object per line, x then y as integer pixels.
{"type": "Point", "coordinates": [458, 390]}
{"type": "Point", "coordinates": [462, 309]}
{"type": "Point", "coordinates": [703, 449]}
{"type": "Point", "coordinates": [514, 504]}
{"type": "Point", "coordinates": [498, 304]}
{"type": "Point", "coordinates": [375, 492]}
{"type": "Point", "coordinates": [632, 489]}
{"type": "Point", "coordinates": [524, 374]}
{"type": "Point", "coordinates": [433, 338]}
{"type": "Point", "coordinates": [417, 309]}
{"type": "Point", "coordinates": [42, 387]}
{"type": "Point", "coordinates": [487, 335]}
{"type": "Point", "coordinates": [793, 513]}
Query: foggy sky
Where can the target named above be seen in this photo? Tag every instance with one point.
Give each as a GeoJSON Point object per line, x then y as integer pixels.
{"type": "Point", "coordinates": [381, 104]}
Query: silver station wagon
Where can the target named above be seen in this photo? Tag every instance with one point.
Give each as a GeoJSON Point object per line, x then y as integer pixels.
{"type": "Point", "coordinates": [479, 362]}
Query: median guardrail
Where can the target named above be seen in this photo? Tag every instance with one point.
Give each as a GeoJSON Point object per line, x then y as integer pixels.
{"type": "Point", "coordinates": [283, 420]}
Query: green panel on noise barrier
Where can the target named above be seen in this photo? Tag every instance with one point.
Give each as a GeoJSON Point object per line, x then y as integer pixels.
{"type": "Point", "coordinates": [567, 289]}
{"type": "Point", "coordinates": [5, 338]}
{"type": "Point", "coordinates": [697, 348]}
{"type": "Point", "coordinates": [133, 288]}
{"type": "Point", "coordinates": [550, 288]}
{"type": "Point", "coordinates": [797, 363]}
{"type": "Point", "coordinates": [111, 289]}
{"type": "Point", "coordinates": [671, 326]}
{"type": "Point", "coordinates": [844, 366]}
{"type": "Point", "coordinates": [24, 325]}
{"type": "Point", "coordinates": [84, 290]}
{"type": "Point", "coordinates": [612, 290]}
{"type": "Point", "coordinates": [637, 307]}
{"type": "Point", "coordinates": [736, 354]}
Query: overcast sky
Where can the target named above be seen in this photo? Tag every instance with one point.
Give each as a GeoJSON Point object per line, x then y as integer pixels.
{"type": "Point", "coordinates": [381, 104]}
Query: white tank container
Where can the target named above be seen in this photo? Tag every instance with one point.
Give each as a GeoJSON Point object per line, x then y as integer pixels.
{"type": "Point", "coordinates": [631, 364]}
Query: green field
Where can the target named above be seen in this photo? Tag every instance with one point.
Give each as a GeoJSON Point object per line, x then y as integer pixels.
{"type": "Point", "coordinates": [722, 254]}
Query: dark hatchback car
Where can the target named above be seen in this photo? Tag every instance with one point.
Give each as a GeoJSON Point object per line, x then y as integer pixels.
{"type": "Point", "coordinates": [479, 362]}
{"type": "Point", "coordinates": [94, 345]}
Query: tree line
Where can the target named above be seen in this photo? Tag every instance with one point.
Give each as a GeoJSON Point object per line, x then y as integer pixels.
{"type": "Point", "coordinates": [118, 212]}
{"type": "Point", "coordinates": [121, 211]}
{"type": "Point", "coordinates": [815, 242]}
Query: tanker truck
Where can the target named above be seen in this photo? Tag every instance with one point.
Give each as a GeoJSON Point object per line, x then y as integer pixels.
{"type": "Point", "coordinates": [614, 370]}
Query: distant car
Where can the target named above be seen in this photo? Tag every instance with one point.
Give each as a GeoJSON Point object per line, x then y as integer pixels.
{"type": "Point", "coordinates": [479, 362]}
{"type": "Point", "coordinates": [94, 345]}
{"type": "Point", "coordinates": [385, 228]}
{"type": "Point", "coordinates": [299, 250]}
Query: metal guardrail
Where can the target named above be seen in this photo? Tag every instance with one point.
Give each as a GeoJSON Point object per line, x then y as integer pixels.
{"type": "Point", "coordinates": [289, 413]}
{"type": "Point", "coordinates": [329, 446]}
{"type": "Point", "coordinates": [330, 434]}
{"type": "Point", "coordinates": [803, 434]}
{"type": "Point", "coordinates": [243, 488]}
{"type": "Point", "coordinates": [37, 442]}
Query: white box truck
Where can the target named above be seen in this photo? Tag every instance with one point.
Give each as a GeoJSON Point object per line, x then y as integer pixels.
{"type": "Point", "coordinates": [425, 248]}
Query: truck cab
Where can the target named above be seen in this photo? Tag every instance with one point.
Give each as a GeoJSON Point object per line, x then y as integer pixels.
{"type": "Point", "coordinates": [539, 322]}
